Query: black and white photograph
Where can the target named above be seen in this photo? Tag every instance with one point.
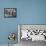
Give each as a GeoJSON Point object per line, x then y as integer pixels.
{"type": "Point", "coordinates": [10, 12]}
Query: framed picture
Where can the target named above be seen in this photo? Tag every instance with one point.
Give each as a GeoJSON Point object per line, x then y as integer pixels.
{"type": "Point", "coordinates": [33, 32]}
{"type": "Point", "coordinates": [10, 12]}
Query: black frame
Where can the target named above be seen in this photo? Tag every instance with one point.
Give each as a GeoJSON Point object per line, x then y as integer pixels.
{"type": "Point", "coordinates": [12, 16]}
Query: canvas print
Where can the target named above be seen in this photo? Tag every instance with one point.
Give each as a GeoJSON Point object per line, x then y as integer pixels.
{"type": "Point", "coordinates": [10, 12]}
{"type": "Point", "coordinates": [33, 32]}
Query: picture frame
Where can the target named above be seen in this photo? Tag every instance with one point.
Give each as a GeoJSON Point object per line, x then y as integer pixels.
{"type": "Point", "coordinates": [10, 12]}
{"type": "Point", "coordinates": [32, 30]}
